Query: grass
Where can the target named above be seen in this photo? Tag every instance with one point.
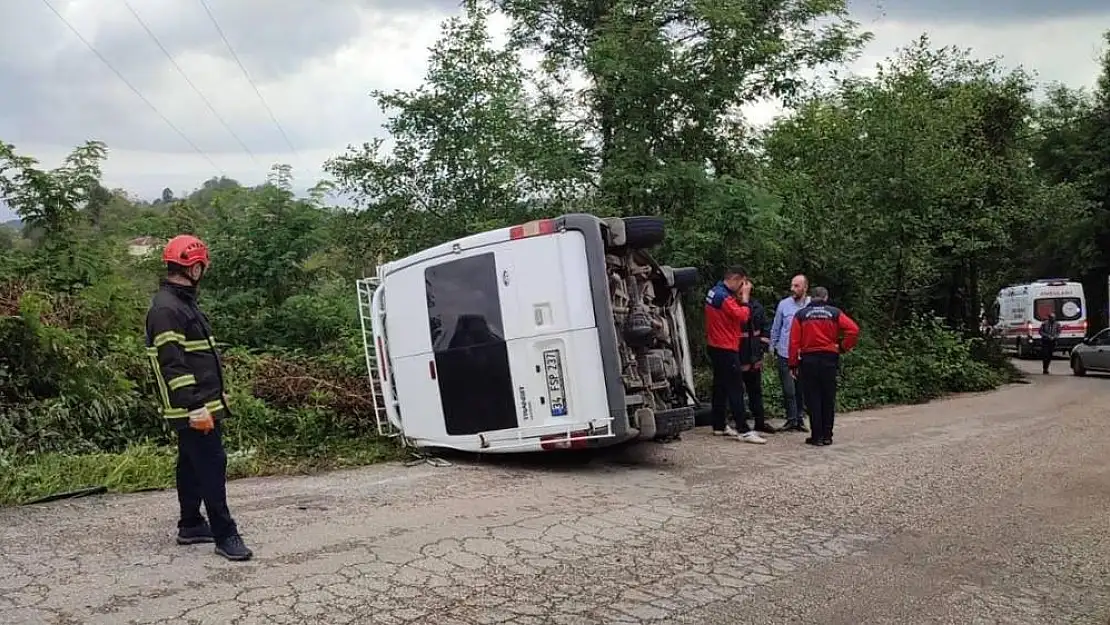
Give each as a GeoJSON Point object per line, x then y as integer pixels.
{"type": "Point", "coordinates": [144, 466]}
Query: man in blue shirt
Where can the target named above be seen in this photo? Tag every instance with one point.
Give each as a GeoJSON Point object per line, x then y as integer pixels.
{"type": "Point", "coordinates": [780, 342]}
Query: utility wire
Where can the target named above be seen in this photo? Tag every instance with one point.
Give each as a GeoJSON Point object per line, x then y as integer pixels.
{"type": "Point", "coordinates": [132, 87]}
{"type": "Point", "coordinates": [180, 71]}
{"type": "Point", "coordinates": [247, 75]}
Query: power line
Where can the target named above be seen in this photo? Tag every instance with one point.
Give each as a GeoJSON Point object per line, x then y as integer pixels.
{"type": "Point", "coordinates": [247, 75]}
{"type": "Point", "coordinates": [132, 87]}
{"type": "Point", "coordinates": [169, 56]}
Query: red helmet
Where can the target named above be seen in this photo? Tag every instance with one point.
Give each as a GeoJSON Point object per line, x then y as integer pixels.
{"type": "Point", "coordinates": [186, 250]}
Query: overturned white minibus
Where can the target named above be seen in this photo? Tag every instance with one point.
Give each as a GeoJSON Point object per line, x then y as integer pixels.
{"type": "Point", "coordinates": [556, 334]}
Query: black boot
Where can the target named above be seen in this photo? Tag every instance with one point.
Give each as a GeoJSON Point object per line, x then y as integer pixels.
{"type": "Point", "coordinates": [194, 535]}
{"type": "Point", "coordinates": [233, 548]}
{"type": "Point", "coordinates": [765, 428]}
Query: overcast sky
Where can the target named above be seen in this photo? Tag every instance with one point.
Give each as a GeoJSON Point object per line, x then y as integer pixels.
{"type": "Point", "coordinates": [315, 62]}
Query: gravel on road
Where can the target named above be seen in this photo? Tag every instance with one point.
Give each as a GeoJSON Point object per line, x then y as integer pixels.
{"type": "Point", "coordinates": [988, 508]}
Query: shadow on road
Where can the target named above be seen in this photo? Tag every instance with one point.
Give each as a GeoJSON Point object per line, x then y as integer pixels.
{"type": "Point", "coordinates": [634, 454]}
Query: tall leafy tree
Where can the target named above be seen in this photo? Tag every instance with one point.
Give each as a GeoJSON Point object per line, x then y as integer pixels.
{"type": "Point", "coordinates": [908, 190]}
{"type": "Point", "coordinates": [665, 77]}
{"type": "Point", "coordinates": [54, 205]}
{"type": "Point", "coordinates": [471, 148]}
{"type": "Point", "coordinates": [664, 84]}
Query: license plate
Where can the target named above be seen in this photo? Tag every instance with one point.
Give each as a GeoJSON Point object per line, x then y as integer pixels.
{"type": "Point", "coordinates": [553, 371]}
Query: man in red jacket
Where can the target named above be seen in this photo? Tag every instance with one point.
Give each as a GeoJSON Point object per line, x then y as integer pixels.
{"type": "Point", "coordinates": [818, 335]}
{"type": "Point", "coordinates": [726, 312]}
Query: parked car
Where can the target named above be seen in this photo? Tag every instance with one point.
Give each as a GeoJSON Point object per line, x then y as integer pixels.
{"type": "Point", "coordinates": [1093, 354]}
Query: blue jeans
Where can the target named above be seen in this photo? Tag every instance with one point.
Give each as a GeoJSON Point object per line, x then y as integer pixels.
{"type": "Point", "coordinates": [792, 397]}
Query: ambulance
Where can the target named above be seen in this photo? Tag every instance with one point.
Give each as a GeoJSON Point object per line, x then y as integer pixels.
{"type": "Point", "coordinates": [559, 333]}
{"type": "Point", "coordinates": [1021, 308]}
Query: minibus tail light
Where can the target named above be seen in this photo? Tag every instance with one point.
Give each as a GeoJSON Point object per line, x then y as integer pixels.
{"type": "Point", "coordinates": [532, 229]}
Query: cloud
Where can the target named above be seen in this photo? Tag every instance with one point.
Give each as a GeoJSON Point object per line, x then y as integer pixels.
{"type": "Point", "coordinates": [316, 62]}
{"type": "Point", "coordinates": [1064, 49]}
{"type": "Point", "coordinates": [300, 55]}
{"type": "Point", "coordinates": [985, 12]}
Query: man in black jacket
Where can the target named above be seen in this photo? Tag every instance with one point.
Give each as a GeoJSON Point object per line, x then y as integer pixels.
{"type": "Point", "coordinates": [754, 343]}
{"type": "Point", "coordinates": [190, 380]}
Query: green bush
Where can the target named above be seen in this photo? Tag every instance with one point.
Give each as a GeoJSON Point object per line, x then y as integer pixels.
{"type": "Point", "coordinates": [77, 401]}
{"type": "Point", "coordinates": [923, 360]}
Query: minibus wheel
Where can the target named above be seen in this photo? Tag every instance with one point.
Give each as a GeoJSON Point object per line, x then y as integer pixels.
{"type": "Point", "coordinates": [644, 232]}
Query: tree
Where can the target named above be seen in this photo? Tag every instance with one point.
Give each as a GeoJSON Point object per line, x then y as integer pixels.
{"type": "Point", "coordinates": [281, 176]}
{"type": "Point", "coordinates": [907, 191]}
{"type": "Point", "coordinates": [1094, 176]}
{"type": "Point", "coordinates": [7, 238]}
{"type": "Point", "coordinates": [1070, 142]}
{"type": "Point", "coordinates": [52, 200]}
{"type": "Point", "coordinates": [666, 77]}
{"type": "Point", "coordinates": [665, 81]}
{"type": "Point", "coordinates": [54, 205]}
{"type": "Point", "coordinates": [472, 149]}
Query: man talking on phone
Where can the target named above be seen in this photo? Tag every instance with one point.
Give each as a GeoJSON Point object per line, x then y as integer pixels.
{"type": "Point", "coordinates": [727, 310]}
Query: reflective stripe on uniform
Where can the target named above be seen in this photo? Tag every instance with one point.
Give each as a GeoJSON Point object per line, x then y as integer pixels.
{"type": "Point", "coordinates": [181, 382]}
{"type": "Point", "coordinates": [213, 406]}
{"type": "Point", "coordinates": [201, 345]}
{"type": "Point", "coordinates": [163, 392]}
{"type": "Point", "coordinates": [168, 337]}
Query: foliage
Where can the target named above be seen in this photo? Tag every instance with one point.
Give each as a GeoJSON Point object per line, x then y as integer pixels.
{"type": "Point", "coordinates": [77, 403]}
{"type": "Point", "coordinates": [939, 195]}
{"type": "Point", "coordinates": [472, 150]}
{"type": "Point", "coordinates": [922, 360]}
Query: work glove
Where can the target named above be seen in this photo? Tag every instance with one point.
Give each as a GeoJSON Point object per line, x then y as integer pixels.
{"type": "Point", "coordinates": [201, 420]}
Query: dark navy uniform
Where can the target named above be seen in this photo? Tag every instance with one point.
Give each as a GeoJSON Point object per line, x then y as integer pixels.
{"type": "Point", "coordinates": [189, 375]}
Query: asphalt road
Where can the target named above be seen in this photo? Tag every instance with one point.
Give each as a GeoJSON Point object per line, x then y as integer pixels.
{"type": "Point", "coordinates": [980, 509]}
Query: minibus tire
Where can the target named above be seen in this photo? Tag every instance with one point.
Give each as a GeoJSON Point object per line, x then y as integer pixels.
{"type": "Point", "coordinates": [685, 277]}
{"type": "Point", "coordinates": [703, 415]}
{"type": "Point", "coordinates": [644, 232]}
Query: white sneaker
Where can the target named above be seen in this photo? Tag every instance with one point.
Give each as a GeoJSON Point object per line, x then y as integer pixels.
{"type": "Point", "coordinates": [731, 432]}
{"type": "Point", "coordinates": [753, 437]}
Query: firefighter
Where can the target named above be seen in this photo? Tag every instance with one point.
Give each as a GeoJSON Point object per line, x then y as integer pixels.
{"type": "Point", "coordinates": [190, 383]}
{"type": "Point", "coordinates": [819, 333]}
{"type": "Point", "coordinates": [726, 312]}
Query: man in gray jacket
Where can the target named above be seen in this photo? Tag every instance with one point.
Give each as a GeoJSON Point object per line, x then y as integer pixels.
{"type": "Point", "coordinates": [1050, 331]}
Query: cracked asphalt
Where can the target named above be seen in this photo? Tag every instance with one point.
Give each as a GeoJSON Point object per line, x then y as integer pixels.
{"type": "Point", "coordinates": [979, 509]}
